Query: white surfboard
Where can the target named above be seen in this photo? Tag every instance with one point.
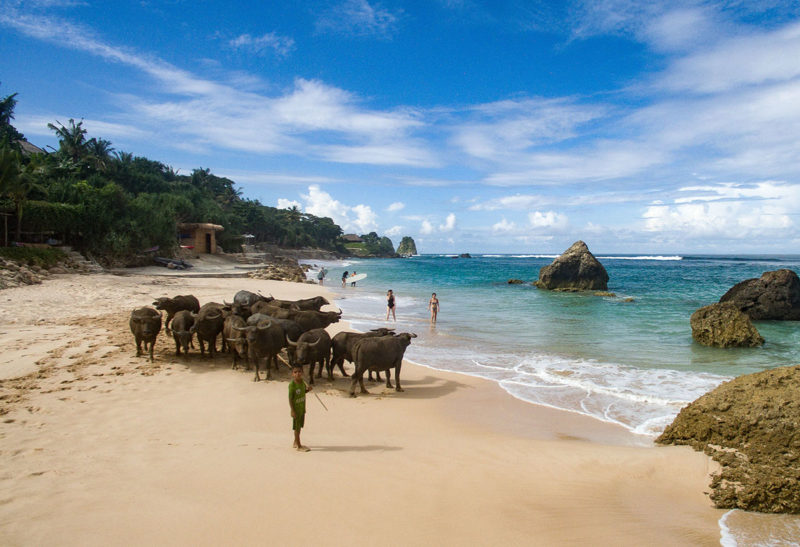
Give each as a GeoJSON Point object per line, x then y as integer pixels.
{"type": "Point", "coordinates": [354, 278]}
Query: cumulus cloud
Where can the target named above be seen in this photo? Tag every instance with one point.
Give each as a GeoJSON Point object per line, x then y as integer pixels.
{"type": "Point", "coordinates": [727, 211]}
{"type": "Point", "coordinates": [289, 203]}
{"type": "Point", "coordinates": [394, 231]}
{"type": "Point", "coordinates": [449, 223]}
{"type": "Point", "coordinates": [504, 226]}
{"type": "Point", "coordinates": [396, 206]}
{"type": "Point", "coordinates": [320, 203]}
{"type": "Point", "coordinates": [547, 220]}
{"type": "Point", "coordinates": [426, 227]}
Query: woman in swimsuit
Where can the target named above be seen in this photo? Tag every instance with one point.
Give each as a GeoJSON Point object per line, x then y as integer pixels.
{"type": "Point", "coordinates": [433, 305]}
{"type": "Point", "coordinates": [390, 305]}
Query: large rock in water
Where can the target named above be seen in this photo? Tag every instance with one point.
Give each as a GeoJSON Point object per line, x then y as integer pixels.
{"type": "Point", "coordinates": [577, 269]}
{"type": "Point", "coordinates": [751, 426]}
{"type": "Point", "coordinates": [776, 295]}
{"type": "Point", "coordinates": [723, 325]}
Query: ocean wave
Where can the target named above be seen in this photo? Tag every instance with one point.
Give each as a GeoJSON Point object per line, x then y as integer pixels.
{"type": "Point", "coordinates": [534, 256]}
{"type": "Point", "coordinates": [643, 401]}
{"type": "Point", "coordinates": [645, 257]}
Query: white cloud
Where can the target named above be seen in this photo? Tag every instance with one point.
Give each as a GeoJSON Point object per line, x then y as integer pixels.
{"type": "Point", "coordinates": [547, 219]}
{"type": "Point", "coordinates": [259, 45]}
{"type": "Point", "coordinates": [396, 206]}
{"type": "Point", "coordinates": [728, 211]}
{"type": "Point", "coordinates": [426, 227]}
{"type": "Point", "coordinates": [366, 219]}
{"type": "Point", "coordinates": [449, 223]}
{"type": "Point", "coordinates": [360, 218]}
{"type": "Point", "coordinates": [504, 226]}
{"type": "Point", "coordinates": [359, 18]}
{"type": "Point", "coordinates": [394, 231]}
{"type": "Point", "coordinates": [289, 203]}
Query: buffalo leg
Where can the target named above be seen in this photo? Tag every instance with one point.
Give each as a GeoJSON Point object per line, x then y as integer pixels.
{"type": "Point", "coordinates": [311, 372]}
{"type": "Point", "coordinates": [257, 378]}
{"type": "Point", "coordinates": [389, 378]}
{"type": "Point", "coordinates": [357, 378]}
{"type": "Point", "coordinates": [138, 347]}
{"type": "Point", "coordinates": [152, 345]}
{"type": "Point", "coordinates": [396, 376]}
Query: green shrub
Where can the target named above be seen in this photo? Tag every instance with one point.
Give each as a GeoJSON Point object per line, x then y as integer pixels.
{"type": "Point", "coordinates": [33, 256]}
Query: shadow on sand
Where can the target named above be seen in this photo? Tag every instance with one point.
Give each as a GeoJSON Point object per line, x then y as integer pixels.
{"type": "Point", "coordinates": [364, 448]}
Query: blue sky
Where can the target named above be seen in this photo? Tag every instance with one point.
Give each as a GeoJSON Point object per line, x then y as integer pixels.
{"type": "Point", "coordinates": [503, 126]}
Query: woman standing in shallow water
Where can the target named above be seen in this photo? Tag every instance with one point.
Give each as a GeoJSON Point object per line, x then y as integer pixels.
{"type": "Point", "coordinates": [433, 305]}
{"type": "Point", "coordinates": [390, 304]}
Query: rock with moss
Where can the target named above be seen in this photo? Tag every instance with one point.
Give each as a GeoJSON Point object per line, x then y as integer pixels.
{"type": "Point", "coordinates": [407, 247]}
{"type": "Point", "coordinates": [724, 326]}
{"type": "Point", "coordinates": [575, 270]}
{"type": "Point", "coordinates": [751, 426]}
{"type": "Point", "coordinates": [775, 295]}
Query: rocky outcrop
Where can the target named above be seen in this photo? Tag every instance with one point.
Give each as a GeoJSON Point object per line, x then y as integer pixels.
{"type": "Point", "coordinates": [576, 269]}
{"type": "Point", "coordinates": [407, 247]}
{"type": "Point", "coordinates": [281, 269]}
{"type": "Point", "coordinates": [723, 325]}
{"type": "Point", "coordinates": [775, 295]}
{"type": "Point", "coordinates": [751, 426]}
{"type": "Point", "coordinates": [14, 274]}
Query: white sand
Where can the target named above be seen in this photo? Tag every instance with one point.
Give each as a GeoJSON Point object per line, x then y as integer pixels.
{"type": "Point", "coordinates": [100, 447]}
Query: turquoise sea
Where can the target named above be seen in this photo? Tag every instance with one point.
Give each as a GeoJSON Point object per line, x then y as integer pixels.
{"type": "Point", "coordinates": [631, 363]}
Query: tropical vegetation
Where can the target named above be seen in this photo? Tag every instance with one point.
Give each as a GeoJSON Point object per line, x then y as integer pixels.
{"type": "Point", "coordinates": [112, 204]}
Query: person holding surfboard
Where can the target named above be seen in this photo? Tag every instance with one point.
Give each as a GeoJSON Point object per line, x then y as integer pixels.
{"type": "Point", "coordinates": [390, 305]}
{"type": "Point", "coordinates": [353, 284]}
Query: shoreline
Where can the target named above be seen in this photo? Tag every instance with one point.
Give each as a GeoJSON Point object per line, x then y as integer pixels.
{"type": "Point", "coordinates": [104, 447]}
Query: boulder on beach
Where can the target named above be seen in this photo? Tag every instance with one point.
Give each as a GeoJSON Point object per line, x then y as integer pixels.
{"type": "Point", "coordinates": [723, 325]}
{"type": "Point", "coordinates": [775, 295]}
{"type": "Point", "coordinates": [751, 426]}
{"type": "Point", "coordinates": [577, 269]}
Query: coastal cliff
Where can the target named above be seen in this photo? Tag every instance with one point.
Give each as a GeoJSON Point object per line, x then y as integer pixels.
{"type": "Point", "coordinates": [407, 247]}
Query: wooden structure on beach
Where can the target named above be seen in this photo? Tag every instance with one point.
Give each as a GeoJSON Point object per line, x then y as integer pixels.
{"type": "Point", "coordinates": [200, 235]}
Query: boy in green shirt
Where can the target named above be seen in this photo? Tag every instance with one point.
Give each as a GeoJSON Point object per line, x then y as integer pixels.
{"type": "Point", "coordinates": [297, 403]}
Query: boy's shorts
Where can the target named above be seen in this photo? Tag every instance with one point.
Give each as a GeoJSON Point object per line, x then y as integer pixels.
{"type": "Point", "coordinates": [299, 422]}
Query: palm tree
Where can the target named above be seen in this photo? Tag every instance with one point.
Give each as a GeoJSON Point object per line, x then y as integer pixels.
{"type": "Point", "coordinates": [8, 131]}
{"type": "Point", "coordinates": [71, 139]}
{"type": "Point", "coordinates": [99, 152]}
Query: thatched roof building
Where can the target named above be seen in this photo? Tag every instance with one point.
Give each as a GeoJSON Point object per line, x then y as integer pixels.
{"type": "Point", "coordinates": [200, 235]}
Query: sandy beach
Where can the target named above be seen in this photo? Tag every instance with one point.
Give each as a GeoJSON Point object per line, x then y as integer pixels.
{"type": "Point", "coordinates": [100, 447]}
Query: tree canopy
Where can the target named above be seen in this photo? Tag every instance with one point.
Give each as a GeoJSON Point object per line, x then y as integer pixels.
{"type": "Point", "coordinates": [112, 203]}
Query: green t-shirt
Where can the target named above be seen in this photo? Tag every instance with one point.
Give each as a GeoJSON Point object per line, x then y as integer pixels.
{"type": "Point", "coordinates": [297, 396]}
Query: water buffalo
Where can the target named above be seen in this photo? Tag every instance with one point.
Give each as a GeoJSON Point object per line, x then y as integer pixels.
{"type": "Point", "coordinates": [311, 348]}
{"type": "Point", "coordinates": [243, 300]}
{"type": "Point", "coordinates": [182, 325]}
{"type": "Point", "coordinates": [342, 345]}
{"type": "Point", "coordinates": [290, 328]}
{"type": "Point", "coordinates": [307, 319]}
{"type": "Point", "coordinates": [175, 304]}
{"type": "Point", "coordinates": [313, 303]}
{"type": "Point", "coordinates": [145, 325]}
{"type": "Point", "coordinates": [264, 341]}
{"type": "Point", "coordinates": [236, 339]}
{"type": "Point", "coordinates": [208, 324]}
{"type": "Point", "coordinates": [379, 353]}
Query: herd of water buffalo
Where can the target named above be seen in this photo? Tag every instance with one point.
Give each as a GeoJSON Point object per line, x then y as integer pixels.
{"type": "Point", "coordinates": [256, 328]}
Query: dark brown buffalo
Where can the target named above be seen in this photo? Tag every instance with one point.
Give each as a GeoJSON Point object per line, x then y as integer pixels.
{"type": "Point", "coordinates": [182, 325]}
{"type": "Point", "coordinates": [235, 339]}
{"type": "Point", "coordinates": [145, 325]}
{"type": "Point", "coordinates": [290, 328]}
{"type": "Point", "coordinates": [208, 325]}
{"type": "Point", "coordinates": [313, 347]}
{"type": "Point", "coordinates": [342, 346]}
{"type": "Point", "coordinates": [264, 341]}
{"type": "Point", "coordinates": [175, 304]}
{"type": "Point", "coordinates": [380, 353]}
{"type": "Point", "coordinates": [307, 319]}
